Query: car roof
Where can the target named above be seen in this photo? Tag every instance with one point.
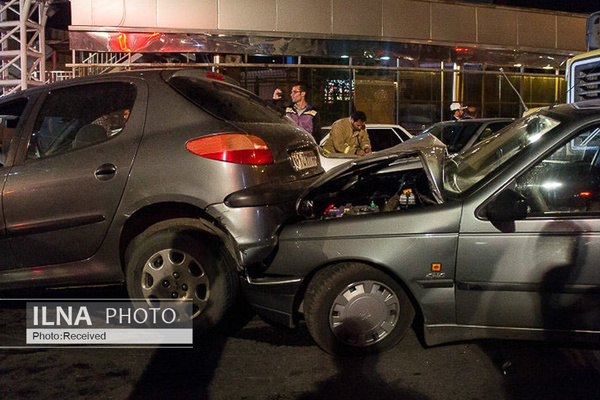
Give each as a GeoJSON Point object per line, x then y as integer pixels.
{"type": "Point", "coordinates": [475, 121]}
{"type": "Point", "coordinates": [383, 126]}
{"type": "Point", "coordinates": [371, 126]}
{"type": "Point", "coordinates": [137, 73]}
{"type": "Point", "coordinates": [578, 110]}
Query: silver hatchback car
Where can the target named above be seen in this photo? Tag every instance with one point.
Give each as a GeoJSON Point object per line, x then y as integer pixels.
{"type": "Point", "coordinates": [169, 180]}
{"type": "Point", "coordinates": [499, 241]}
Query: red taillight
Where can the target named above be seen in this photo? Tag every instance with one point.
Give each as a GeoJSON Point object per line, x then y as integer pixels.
{"type": "Point", "coordinates": [213, 75]}
{"type": "Point", "coordinates": [232, 147]}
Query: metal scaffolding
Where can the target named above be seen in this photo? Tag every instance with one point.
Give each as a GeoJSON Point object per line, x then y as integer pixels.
{"type": "Point", "coordinates": [22, 44]}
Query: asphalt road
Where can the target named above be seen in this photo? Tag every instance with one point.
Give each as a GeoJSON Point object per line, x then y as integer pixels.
{"type": "Point", "coordinates": [259, 361]}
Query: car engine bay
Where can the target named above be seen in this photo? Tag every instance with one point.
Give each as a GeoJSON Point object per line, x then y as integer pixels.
{"type": "Point", "coordinates": [381, 187]}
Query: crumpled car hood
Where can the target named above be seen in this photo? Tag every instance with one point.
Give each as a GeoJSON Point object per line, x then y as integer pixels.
{"type": "Point", "coordinates": [426, 149]}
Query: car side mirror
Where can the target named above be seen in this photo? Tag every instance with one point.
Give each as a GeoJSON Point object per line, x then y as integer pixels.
{"type": "Point", "coordinates": [507, 206]}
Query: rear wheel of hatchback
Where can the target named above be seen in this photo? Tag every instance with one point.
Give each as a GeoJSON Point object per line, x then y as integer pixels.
{"type": "Point", "coordinates": [354, 309]}
{"type": "Point", "coordinates": [178, 264]}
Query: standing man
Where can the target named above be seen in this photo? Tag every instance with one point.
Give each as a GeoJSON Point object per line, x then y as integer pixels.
{"type": "Point", "coordinates": [471, 112]}
{"type": "Point", "coordinates": [302, 113]}
{"type": "Point", "coordinates": [348, 136]}
{"type": "Point", "coordinates": [458, 111]}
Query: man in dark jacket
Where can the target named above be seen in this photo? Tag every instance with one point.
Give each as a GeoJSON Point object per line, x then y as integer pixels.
{"type": "Point", "coordinates": [303, 114]}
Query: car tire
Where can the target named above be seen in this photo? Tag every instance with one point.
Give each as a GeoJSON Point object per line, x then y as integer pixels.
{"type": "Point", "coordinates": [354, 309]}
{"type": "Point", "coordinates": [177, 264]}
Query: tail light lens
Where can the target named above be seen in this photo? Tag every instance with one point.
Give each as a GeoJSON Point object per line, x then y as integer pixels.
{"type": "Point", "coordinates": [232, 147]}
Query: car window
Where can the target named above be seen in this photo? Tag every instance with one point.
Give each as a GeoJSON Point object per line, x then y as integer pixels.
{"type": "Point", "coordinates": [224, 101]}
{"type": "Point", "coordinates": [402, 135]}
{"type": "Point", "coordinates": [454, 135]}
{"type": "Point", "coordinates": [457, 137]}
{"type": "Point", "coordinates": [567, 181]}
{"type": "Point", "coordinates": [490, 129]}
{"type": "Point", "coordinates": [382, 138]}
{"type": "Point", "coordinates": [80, 116]}
{"type": "Point", "coordinates": [10, 115]}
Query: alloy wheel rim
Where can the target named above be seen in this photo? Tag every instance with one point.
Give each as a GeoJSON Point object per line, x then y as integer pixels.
{"type": "Point", "coordinates": [175, 275]}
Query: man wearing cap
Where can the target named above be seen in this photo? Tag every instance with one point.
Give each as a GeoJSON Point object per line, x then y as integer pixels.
{"type": "Point", "coordinates": [458, 111]}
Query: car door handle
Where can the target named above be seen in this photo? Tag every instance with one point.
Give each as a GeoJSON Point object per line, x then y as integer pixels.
{"type": "Point", "coordinates": [105, 172]}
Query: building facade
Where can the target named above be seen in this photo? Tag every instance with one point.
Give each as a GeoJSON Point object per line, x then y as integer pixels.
{"type": "Point", "coordinates": [400, 61]}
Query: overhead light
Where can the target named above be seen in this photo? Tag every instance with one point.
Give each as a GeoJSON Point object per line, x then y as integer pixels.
{"type": "Point", "coordinates": [385, 58]}
{"type": "Point", "coordinates": [518, 65]}
{"type": "Point", "coordinates": [345, 56]}
{"type": "Point", "coordinates": [548, 67]}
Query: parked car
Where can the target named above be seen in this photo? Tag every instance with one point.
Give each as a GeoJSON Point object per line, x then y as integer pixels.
{"type": "Point", "coordinates": [170, 180]}
{"type": "Point", "coordinates": [462, 134]}
{"type": "Point", "coordinates": [382, 136]}
{"type": "Point", "coordinates": [499, 241]}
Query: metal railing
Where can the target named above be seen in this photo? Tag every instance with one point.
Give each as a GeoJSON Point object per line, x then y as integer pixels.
{"type": "Point", "coordinates": [57, 76]}
{"type": "Point", "coordinates": [96, 63]}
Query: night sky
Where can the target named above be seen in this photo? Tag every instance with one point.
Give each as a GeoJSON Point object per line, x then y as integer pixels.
{"type": "Point", "coordinates": [577, 6]}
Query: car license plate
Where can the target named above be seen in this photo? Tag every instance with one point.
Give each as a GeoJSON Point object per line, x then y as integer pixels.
{"type": "Point", "coordinates": [303, 159]}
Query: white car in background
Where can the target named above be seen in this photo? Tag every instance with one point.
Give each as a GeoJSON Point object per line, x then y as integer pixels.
{"type": "Point", "coordinates": [382, 136]}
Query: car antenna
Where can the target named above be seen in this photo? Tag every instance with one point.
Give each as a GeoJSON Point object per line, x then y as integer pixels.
{"type": "Point", "coordinates": [516, 91]}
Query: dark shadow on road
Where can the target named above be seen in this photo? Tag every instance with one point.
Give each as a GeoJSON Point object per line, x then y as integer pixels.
{"type": "Point", "coordinates": [357, 378]}
{"type": "Point", "coordinates": [181, 373]}
{"type": "Point", "coordinates": [277, 335]}
{"type": "Point", "coordinates": [170, 372]}
{"type": "Point", "coordinates": [188, 372]}
{"type": "Point", "coordinates": [546, 370]}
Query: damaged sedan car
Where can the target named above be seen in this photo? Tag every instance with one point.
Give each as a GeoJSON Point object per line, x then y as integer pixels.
{"type": "Point", "coordinates": [499, 241]}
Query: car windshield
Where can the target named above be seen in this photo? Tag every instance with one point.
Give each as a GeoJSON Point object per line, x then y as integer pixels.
{"type": "Point", "coordinates": [469, 167]}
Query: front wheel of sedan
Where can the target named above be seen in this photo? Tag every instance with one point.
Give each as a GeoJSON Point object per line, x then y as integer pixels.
{"type": "Point", "coordinates": [179, 265]}
{"type": "Point", "coordinates": [353, 309]}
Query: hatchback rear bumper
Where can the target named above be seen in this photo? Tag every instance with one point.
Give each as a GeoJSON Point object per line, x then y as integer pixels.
{"type": "Point", "coordinates": [252, 229]}
{"type": "Point", "coordinates": [252, 217]}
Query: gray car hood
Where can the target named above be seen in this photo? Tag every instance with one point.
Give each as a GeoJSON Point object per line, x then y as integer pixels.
{"type": "Point", "coordinates": [427, 150]}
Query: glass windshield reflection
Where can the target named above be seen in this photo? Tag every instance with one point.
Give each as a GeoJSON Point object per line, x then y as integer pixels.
{"type": "Point", "coordinates": [467, 168]}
